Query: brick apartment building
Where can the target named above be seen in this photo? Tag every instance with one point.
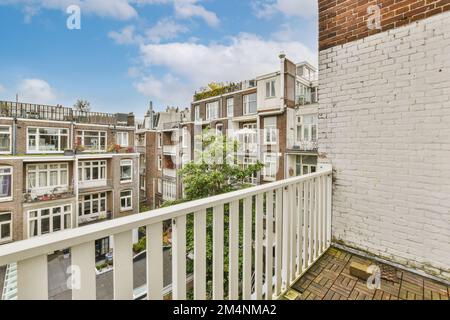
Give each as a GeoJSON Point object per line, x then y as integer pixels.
{"type": "Point", "coordinates": [384, 126]}
{"type": "Point", "coordinates": [61, 169]}
{"type": "Point", "coordinates": [274, 117]}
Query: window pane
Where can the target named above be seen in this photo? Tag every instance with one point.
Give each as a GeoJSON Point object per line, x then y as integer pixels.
{"type": "Point", "coordinates": [5, 186]}
{"type": "Point", "coordinates": [56, 223]}
{"type": "Point", "coordinates": [5, 231]}
{"type": "Point", "coordinates": [45, 225]}
{"type": "Point", "coordinates": [5, 217]}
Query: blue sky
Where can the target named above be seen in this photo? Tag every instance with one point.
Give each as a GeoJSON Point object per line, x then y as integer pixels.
{"type": "Point", "coordinates": [129, 52]}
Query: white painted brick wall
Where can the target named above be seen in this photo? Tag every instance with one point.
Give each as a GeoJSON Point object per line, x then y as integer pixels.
{"type": "Point", "coordinates": [385, 127]}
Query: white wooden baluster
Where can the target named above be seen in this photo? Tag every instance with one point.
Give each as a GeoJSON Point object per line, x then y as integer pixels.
{"type": "Point", "coordinates": [200, 255]}
{"type": "Point", "coordinates": [269, 245]}
{"type": "Point", "coordinates": [247, 249]}
{"type": "Point", "coordinates": [179, 258]}
{"type": "Point", "coordinates": [319, 216]}
{"type": "Point", "coordinates": [329, 206]}
{"type": "Point", "coordinates": [259, 246]}
{"type": "Point", "coordinates": [83, 271]}
{"type": "Point", "coordinates": [307, 238]}
{"type": "Point", "coordinates": [311, 221]}
{"type": "Point", "coordinates": [233, 280]}
{"type": "Point", "coordinates": [123, 265]}
{"type": "Point", "coordinates": [300, 213]}
{"type": "Point", "coordinates": [279, 241]}
{"type": "Point", "coordinates": [286, 239]}
{"type": "Point", "coordinates": [324, 213]}
{"type": "Point", "coordinates": [218, 240]}
{"type": "Point", "coordinates": [32, 279]}
{"type": "Point", "coordinates": [155, 261]}
{"type": "Point", "coordinates": [293, 230]}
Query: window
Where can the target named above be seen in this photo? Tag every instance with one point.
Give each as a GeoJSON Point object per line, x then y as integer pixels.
{"type": "Point", "coordinates": [92, 205]}
{"type": "Point", "coordinates": [212, 110]}
{"type": "Point", "coordinates": [47, 140]}
{"type": "Point", "coordinates": [6, 181]}
{"type": "Point", "coordinates": [5, 139]}
{"type": "Point", "coordinates": [247, 161]}
{"type": "Point", "coordinates": [43, 177]}
{"type": "Point", "coordinates": [305, 165]}
{"type": "Point", "coordinates": [270, 89]}
{"type": "Point", "coordinates": [307, 128]}
{"type": "Point", "coordinates": [126, 171]}
{"type": "Point", "coordinates": [302, 93]}
{"type": "Point", "coordinates": [184, 137]}
{"type": "Point", "coordinates": [169, 190]}
{"type": "Point", "coordinates": [270, 131]}
{"type": "Point", "coordinates": [159, 186]}
{"type": "Point", "coordinates": [250, 104]}
{"type": "Point", "coordinates": [159, 140]}
{"type": "Point", "coordinates": [142, 182]}
{"type": "Point", "coordinates": [197, 113]}
{"type": "Point", "coordinates": [159, 163]}
{"type": "Point", "coordinates": [92, 170]}
{"type": "Point", "coordinates": [219, 129]}
{"type": "Point", "coordinates": [5, 227]}
{"type": "Point", "coordinates": [92, 140]}
{"type": "Point", "coordinates": [230, 107]}
{"type": "Point", "coordinates": [270, 169]}
{"type": "Point", "coordinates": [122, 139]}
{"type": "Point", "coordinates": [126, 200]}
{"type": "Point", "coordinates": [49, 220]}
{"type": "Point", "coordinates": [248, 138]}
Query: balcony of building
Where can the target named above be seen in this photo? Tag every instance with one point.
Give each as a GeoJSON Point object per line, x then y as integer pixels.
{"type": "Point", "coordinates": [45, 194]}
{"type": "Point", "coordinates": [286, 247]}
{"type": "Point", "coordinates": [170, 173]}
{"type": "Point", "coordinates": [60, 113]}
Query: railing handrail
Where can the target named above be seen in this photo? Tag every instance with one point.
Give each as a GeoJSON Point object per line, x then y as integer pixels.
{"type": "Point", "coordinates": [26, 249]}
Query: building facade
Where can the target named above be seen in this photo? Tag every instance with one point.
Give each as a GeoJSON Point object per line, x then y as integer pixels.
{"type": "Point", "coordinates": [384, 126]}
{"type": "Point", "coordinates": [62, 169]}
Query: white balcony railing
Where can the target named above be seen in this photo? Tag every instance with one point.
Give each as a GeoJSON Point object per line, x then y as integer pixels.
{"type": "Point", "coordinates": [300, 208]}
{"type": "Point", "coordinates": [169, 191]}
{"type": "Point", "coordinates": [171, 173]}
{"type": "Point", "coordinates": [170, 150]}
{"type": "Point", "coordinates": [92, 183]}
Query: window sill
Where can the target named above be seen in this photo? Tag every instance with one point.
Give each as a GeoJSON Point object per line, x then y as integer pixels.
{"type": "Point", "coordinates": [269, 179]}
{"type": "Point", "coordinates": [125, 182]}
{"type": "Point", "coordinates": [126, 209]}
{"type": "Point", "coordinates": [6, 199]}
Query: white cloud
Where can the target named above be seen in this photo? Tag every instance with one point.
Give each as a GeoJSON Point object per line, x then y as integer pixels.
{"type": "Point", "coordinates": [124, 36]}
{"type": "Point", "coordinates": [190, 66]}
{"type": "Point", "coordinates": [190, 8]}
{"type": "Point", "coordinates": [165, 30]}
{"type": "Point", "coordinates": [2, 89]}
{"type": "Point", "coordinates": [36, 91]}
{"type": "Point", "coordinates": [290, 8]}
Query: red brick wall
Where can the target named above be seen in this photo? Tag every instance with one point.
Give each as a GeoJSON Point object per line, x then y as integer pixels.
{"type": "Point", "coordinates": [342, 21]}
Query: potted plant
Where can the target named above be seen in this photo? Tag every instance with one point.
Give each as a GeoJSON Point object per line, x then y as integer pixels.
{"type": "Point", "coordinates": [79, 148]}
{"type": "Point", "coordinates": [114, 148]}
{"type": "Point", "coordinates": [69, 152]}
{"type": "Point", "coordinates": [130, 150]}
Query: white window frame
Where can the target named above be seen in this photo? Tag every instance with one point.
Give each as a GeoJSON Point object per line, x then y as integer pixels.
{"type": "Point", "coordinates": [125, 163]}
{"type": "Point", "coordinates": [270, 89]}
{"type": "Point", "coordinates": [246, 100]}
{"type": "Point", "coordinates": [197, 113]}
{"type": "Point", "coordinates": [273, 162]}
{"type": "Point", "coordinates": [82, 204]}
{"type": "Point", "coordinates": [38, 150]}
{"type": "Point", "coordinates": [39, 218]}
{"type": "Point", "coordinates": [159, 160]}
{"type": "Point", "coordinates": [10, 222]}
{"type": "Point", "coordinates": [230, 107]}
{"type": "Point", "coordinates": [212, 110]}
{"type": "Point", "coordinates": [37, 171]}
{"type": "Point", "coordinates": [102, 168]}
{"type": "Point", "coordinates": [99, 137]}
{"type": "Point", "coordinates": [300, 125]}
{"type": "Point", "coordinates": [246, 162]}
{"type": "Point", "coordinates": [184, 137]}
{"type": "Point", "coordinates": [303, 165]}
{"type": "Point", "coordinates": [159, 138]}
{"type": "Point", "coordinates": [127, 197]}
{"type": "Point", "coordinates": [10, 198]}
{"type": "Point", "coordinates": [159, 187]}
{"type": "Point", "coordinates": [122, 138]}
{"type": "Point", "coordinates": [9, 133]}
{"type": "Point", "coordinates": [271, 133]}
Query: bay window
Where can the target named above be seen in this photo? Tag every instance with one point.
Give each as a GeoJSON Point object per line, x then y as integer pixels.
{"type": "Point", "coordinates": [92, 140]}
{"type": "Point", "coordinates": [126, 171]}
{"type": "Point", "coordinates": [49, 220]}
{"type": "Point", "coordinates": [5, 226]}
{"type": "Point", "coordinates": [92, 205]}
{"type": "Point", "coordinates": [212, 110]}
{"type": "Point", "coordinates": [250, 104]}
{"type": "Point", "coordinates": [122, 139]}
{"type": "Point", "coordinates": [47, 140]}
{"type": "Point", "coordinates": [126, 200]}
{"type": "Point", "coordinates": [42, 178]}
{"type": "Point", "coordinates": [91, 171]}
{"type": "Point", "coordinates": [5, 139]}
{"type": "Point", "coordinates": [6, 183]}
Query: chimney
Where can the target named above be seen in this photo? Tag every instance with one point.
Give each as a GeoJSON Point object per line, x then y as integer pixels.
{"type": "Point", "coordinates": [130, 119]}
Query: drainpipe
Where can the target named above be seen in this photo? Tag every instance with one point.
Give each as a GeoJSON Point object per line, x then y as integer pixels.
{"type": "Point", "coordinates": [14, 134]}
{"type": "Point", "coordinates": [75, 186]}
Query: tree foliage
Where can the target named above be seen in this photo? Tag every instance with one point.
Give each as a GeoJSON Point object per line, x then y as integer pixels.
{"type": "Point", "coordinates": [82, 105]}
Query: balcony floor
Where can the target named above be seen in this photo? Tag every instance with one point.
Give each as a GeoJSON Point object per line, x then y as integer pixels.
{"type": "Point", "coordinates": [329, 279]}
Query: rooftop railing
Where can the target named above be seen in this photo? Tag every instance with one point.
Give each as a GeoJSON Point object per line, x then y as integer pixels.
{"type": "Point", "coordinates": [286, 227]}
{"type": "Point", "coordinates": [58, 113]}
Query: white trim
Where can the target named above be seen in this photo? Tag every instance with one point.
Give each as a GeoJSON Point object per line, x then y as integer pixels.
{"type": "Point", "coordinates": [7, 199]}
{"type": "Point", "coordinates": [89, 164]}
{"type": "Point", "coordinates": [38, 136]}
{"type": "Point", "coordinates": [45, 189]}
{"type": "Point", "coordinates": [50, 217]}
{"type": "Point", "coordinates": [10, 222]}
{"type": "Point", "coordinates": [99, 137]}
{"type": "Point", "coordinates": [123, 163]}
{"type": "Point", "coordinates": [272, 155]}
{"type": "Point", "coordinates": [122, 209]}
{"type": "Point", "coordinates": [92, 215]}
{"type": "Point", "coordinates": [10, 139]}
{"type": "Point", "coordinates": [119, 133]}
